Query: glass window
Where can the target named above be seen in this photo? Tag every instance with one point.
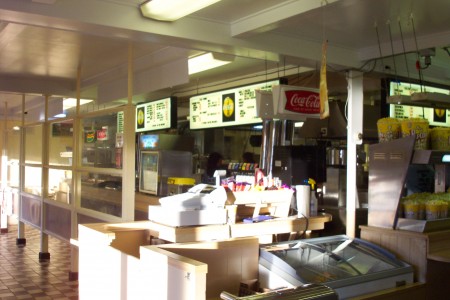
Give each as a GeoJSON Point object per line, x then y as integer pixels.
{"type": "Point", "coordinates": [33, 180]}
{"type": "Point", "coordinates": [34, 109]}
{"type": "Point", "coordinates": [55, 108]}
{"type": "Point", "coordinates": [33, 144]}
{"type": "Point", "coordinates": [99, 136]}
{"type": "Point", "coordinates": [102, 193]}
{"type": "Point", "coordinates": [103, 103]}
{"type": "Point", "coordinates": [60, 185]}
{"type": "Point", "coordinates": [61, 143]}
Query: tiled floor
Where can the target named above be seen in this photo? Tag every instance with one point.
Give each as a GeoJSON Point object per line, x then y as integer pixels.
{"type": "Point", "coordinates": [22, 276]}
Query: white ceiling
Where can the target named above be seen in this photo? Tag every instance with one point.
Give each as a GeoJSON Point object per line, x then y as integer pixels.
{"type": "Point", "coordinates": [43, 44]}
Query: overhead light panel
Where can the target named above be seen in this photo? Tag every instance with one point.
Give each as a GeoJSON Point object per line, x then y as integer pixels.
{"type": "Point", "coordinates": [208, 61]}
{"type": "Point", "coordinates": [72, 102]}
{"type": "Point", "coordinates": [44, 1]}
{"type": "Point", "coordinates": [171, 10]}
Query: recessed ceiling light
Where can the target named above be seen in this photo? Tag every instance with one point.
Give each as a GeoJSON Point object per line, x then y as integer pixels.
{"type": "Point", "coordinates": [171, 10]}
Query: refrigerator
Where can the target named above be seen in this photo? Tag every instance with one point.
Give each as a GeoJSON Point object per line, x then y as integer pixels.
{"type": "Point", "coordinates": [161, 157]}
{"type": "Point", "coordinates": [351, 267]}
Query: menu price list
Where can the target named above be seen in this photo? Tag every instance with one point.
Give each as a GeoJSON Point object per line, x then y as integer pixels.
{"type": "Point", "coordinates": [153, 115]}
{"type": "Point", "coordinates": [226, 108]}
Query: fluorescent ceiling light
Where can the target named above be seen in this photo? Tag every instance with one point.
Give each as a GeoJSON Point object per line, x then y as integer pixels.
{"type": "Point", "coordinates": [60, 116]}
{"type": "Point", "coordinates": [171, 10]}
{"type": "Point", "coordinates": [298, 124]}
{"type": "Point", "coordinates": [208, 61]}
{"type": "Point", "coordinates": [72, 102]}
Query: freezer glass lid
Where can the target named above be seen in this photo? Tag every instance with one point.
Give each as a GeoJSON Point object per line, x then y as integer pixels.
{"type": "Point", "coordinates": [327, 259]}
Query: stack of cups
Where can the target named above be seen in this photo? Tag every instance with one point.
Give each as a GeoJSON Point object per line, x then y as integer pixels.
{"type": "Point", "coordinates": [303, 194]}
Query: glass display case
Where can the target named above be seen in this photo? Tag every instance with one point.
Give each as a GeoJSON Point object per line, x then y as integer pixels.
{"type": "Point", "coordinates": [352, 267]}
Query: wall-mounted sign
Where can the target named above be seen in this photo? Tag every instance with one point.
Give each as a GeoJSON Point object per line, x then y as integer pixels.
{"type": "Point", "coordinates": [435, 116]}
{"type": "Point", "coordinates": [90, 136]}
{"type": "Point", "coordinates": [231, 107]}
{"type": "Point", "coordinates": [156, 115]}
{"type": "Point", "coordinates": [120, 121]}
{"type": "Point", "coordinates": [103, 134]}
{"type": "Point", "coordinates": [295, 103]}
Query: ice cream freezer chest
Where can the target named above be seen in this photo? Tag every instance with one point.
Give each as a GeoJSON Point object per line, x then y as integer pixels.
{"type": "Point", "coordinates": [351, 267]}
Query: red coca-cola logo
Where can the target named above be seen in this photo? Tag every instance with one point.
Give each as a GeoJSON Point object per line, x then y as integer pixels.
{"type": "Point", "coordinates": [304, 102]}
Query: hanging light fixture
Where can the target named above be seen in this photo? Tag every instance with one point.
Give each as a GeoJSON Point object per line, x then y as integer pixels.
{"type": "Point", "coordinates": [171, 10]}
{"type": "Point", "coordinates": [432, 98]}
{"type": "Point", "coordinates": [424, 96]}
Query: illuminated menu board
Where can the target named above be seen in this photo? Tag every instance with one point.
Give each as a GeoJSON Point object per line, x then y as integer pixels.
{"type": "Point", "coordinates": [231, 107]}
{"type": "Point", "coordinates": [435, 116]}
{"type": "Point", "coordinates": [156, 115]}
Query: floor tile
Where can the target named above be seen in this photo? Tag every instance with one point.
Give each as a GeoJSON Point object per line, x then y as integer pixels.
{"type": "Point", "coordinates": [22, 276]}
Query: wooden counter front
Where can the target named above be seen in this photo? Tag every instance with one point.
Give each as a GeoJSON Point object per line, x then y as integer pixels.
{"type": "Point", "coordinates": [428, 253]}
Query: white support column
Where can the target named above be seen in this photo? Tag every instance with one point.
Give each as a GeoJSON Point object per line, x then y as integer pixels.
{"type": "Point", "coordinates": [4, 172]}
{"type": "Point", "coordinates": [354, 137]}
{"type": "Point", "coordinates": [129, 149]}
{"type": "Point", "coordinates": [4, 175]}
{"type": "Point", "coordinates": [43, 253]}
{"type": "Point", "coordinates": [75, 188]}
{"type": "Point", "coordinates": [21, 241]}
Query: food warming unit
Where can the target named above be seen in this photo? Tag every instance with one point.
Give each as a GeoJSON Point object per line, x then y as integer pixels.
{"type": "Point", "coordinates": [351, 267]}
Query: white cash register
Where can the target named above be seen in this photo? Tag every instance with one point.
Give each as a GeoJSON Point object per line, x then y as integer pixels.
{"type": "Point", "coordinates": [202, 204]}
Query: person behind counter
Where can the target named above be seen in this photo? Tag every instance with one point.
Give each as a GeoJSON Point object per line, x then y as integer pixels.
{"type": "Point", "coordinates": [215, 162]}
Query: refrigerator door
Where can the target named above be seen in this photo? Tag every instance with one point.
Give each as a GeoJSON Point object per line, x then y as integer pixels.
{"type": "Point", "coordinates": [148, 178]}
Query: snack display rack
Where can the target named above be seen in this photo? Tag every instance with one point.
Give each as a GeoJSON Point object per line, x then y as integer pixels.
{"type": "Point", "coordinates": [389, 163]}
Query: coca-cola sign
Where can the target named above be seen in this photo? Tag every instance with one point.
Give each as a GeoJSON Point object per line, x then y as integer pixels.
{"type": "Point", "coordinates": [304, 102]}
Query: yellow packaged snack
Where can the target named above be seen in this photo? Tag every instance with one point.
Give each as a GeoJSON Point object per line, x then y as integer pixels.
{"type": "Point", "coordinates": [411, 209]}
{"type": "Point", "coordinates": [440, 138]}
{"type": "Point", "coordinates": [419, 128]}
{"type": "Point", "coordinates": [433, 209]}
{"type": "Point", "coordinates": [388, 129]}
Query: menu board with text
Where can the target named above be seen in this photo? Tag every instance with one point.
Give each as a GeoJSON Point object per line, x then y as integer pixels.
{"type": "Point", "coordinates": [156, 115]}
{"type": "Point", "coordinates": [435, 116]}
{"type": "Point", "coordinates": [231, 107]}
